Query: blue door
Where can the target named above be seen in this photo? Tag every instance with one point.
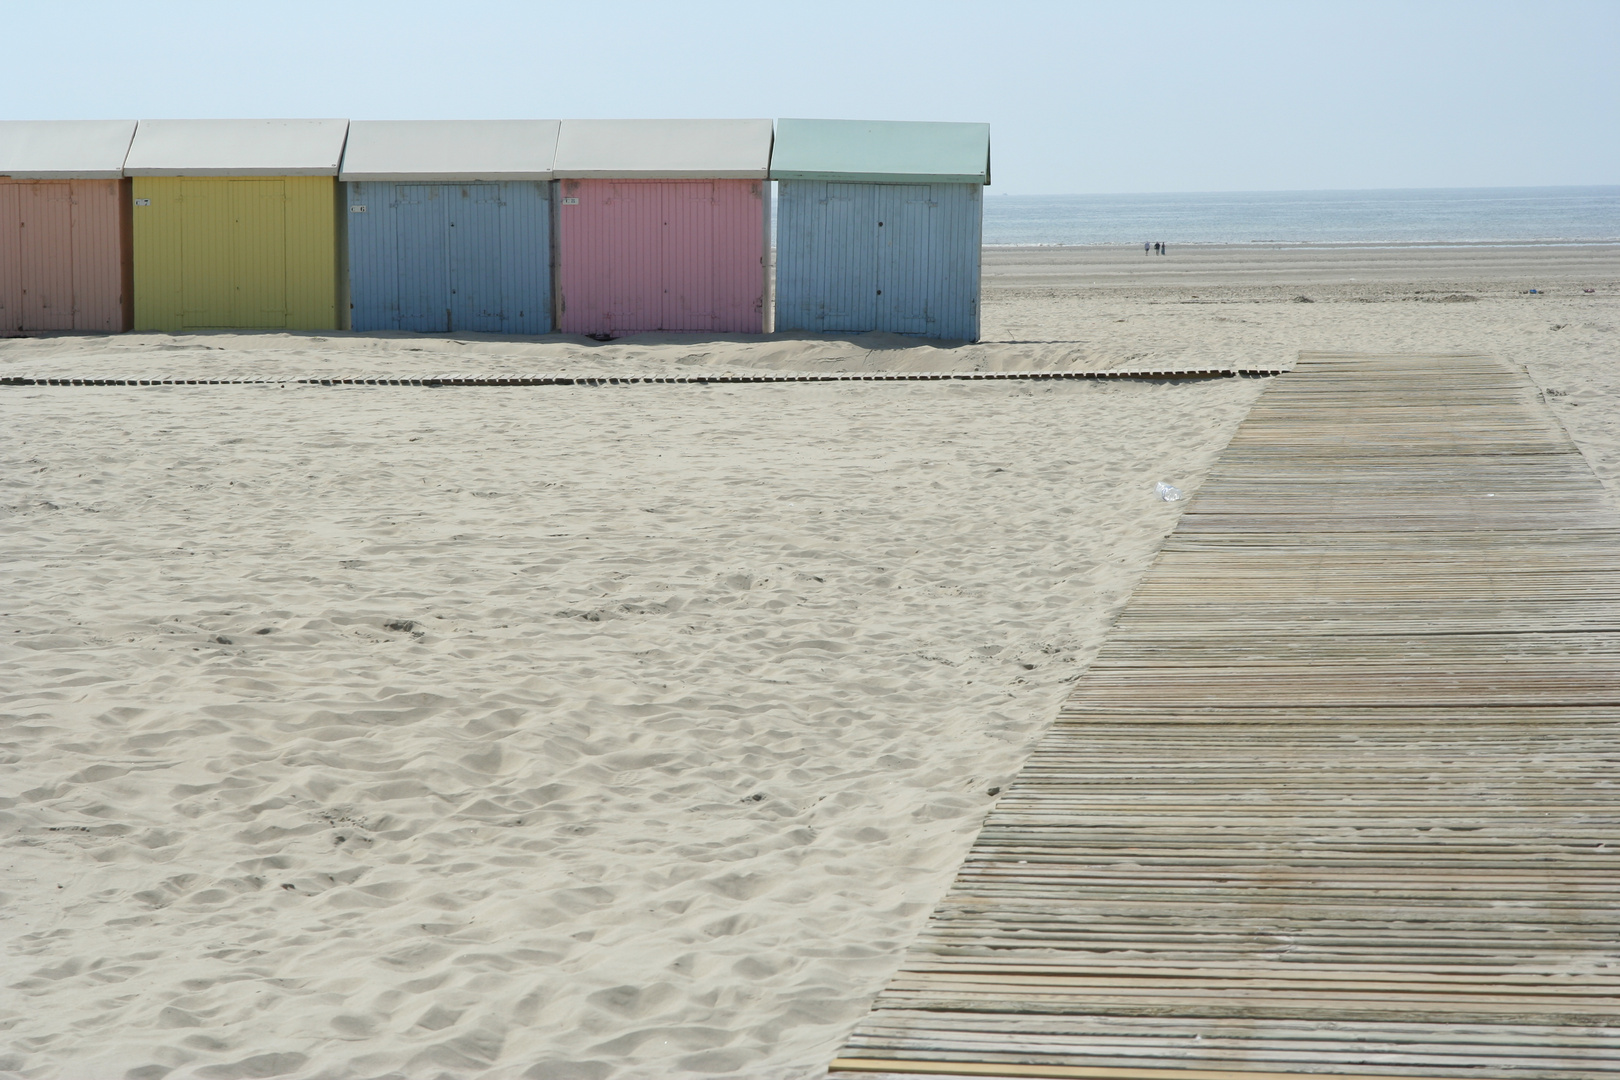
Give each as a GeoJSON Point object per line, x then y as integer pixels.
{"type": "Point", "coordinates": [446, 258]}
{"type": "Point", "coordinates": [826, 256]}
{"type": "Point", "coordinates": [850, 300]}
{"type": "Point", "coordinates": [859, 257]}
{"type": "Point", "coordinates": [423, 279]}
{"type": "Point", "coordinates": [525, 268]}
{"type": "Point", "coordinates": [905, 265]}
{"type": "Point", "coordinates": [475, 258]}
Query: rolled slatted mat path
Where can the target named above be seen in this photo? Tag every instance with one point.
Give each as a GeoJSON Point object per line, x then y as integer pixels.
{"type": "Point", "coordinates": [665, 380]}
{"type": "Point", "coordinates": [1340, 795]}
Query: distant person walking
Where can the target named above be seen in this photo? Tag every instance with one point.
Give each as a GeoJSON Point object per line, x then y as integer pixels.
{"type": "Point", "coordinates": [1155, 247]}
{"type": "Point", "coordinates": [1164, 249]}
{"type": "Point", "coordinates": [1147, 249]}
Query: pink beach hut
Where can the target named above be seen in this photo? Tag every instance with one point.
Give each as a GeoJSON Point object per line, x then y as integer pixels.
{"type": "Point", "coordinates": [662, 225]}
{"type": "Point", "coordinates": [64, 226]}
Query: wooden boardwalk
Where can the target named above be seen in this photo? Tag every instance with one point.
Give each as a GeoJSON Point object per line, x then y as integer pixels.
{"type": "Point", "coordinates": [1340, 795]}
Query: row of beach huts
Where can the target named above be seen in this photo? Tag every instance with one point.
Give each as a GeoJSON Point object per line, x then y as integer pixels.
{"type": "Point", "coordinates": [601, 227]}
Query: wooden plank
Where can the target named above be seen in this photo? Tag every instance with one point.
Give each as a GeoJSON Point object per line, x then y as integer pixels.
{"type": "Point", "coordinates": [1337, 797]}
{"type": "Point", "coordinates": [866, 1066]}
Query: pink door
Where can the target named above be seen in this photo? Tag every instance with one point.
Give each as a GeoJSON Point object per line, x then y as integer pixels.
{"type": "Point", "coordinates": [64, 258]}
{"type": "Point", "coordinates": [638, 255]}
{"type": "Point", "coordinates": [46, 236]}
{"type": "Point", "coordinates": [11, 319]}
{"type": "Point", "coordinates": [689, 249]}
{"type": "Point", "coordinates": [101, 300]}
{"type": "Point", "coordinates": [624, 265]}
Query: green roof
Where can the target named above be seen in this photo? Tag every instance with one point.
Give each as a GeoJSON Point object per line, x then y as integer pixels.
{"type": "Point", "coordinates": [881, 151]}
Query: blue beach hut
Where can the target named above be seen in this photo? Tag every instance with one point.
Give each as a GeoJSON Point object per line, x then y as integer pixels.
{"type": "Point", "coordinates": [449, 224]}
{"type": "Point", "coordinates": [879, 225]}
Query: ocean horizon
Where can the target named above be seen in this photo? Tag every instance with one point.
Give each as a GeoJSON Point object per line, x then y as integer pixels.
{"type": "Point", "coordinates": [1557, 215]}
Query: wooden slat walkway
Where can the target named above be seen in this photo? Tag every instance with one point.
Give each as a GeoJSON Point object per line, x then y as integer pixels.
{"type": "Point", "coordinates": [1340, 795]}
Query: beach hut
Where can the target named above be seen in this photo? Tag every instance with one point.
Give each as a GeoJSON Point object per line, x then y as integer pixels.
{"type": "Point", "coordinates": [449, 224]}
{"type": "Point", "coordinates": [236, 224]}
{"type": "Point", "coordinates": [64, 225]}
{"type": "Point", "coordinates": [662, 225]}
{"type": "Point", "coordinates": [879, 226]}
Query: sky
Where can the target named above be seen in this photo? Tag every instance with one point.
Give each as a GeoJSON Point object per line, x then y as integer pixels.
{"type": "Point", "coordinates": [1122, 96]}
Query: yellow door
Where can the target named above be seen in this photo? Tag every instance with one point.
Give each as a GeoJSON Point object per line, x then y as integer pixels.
{"type": "Point", "coordinates": [205, 238]}
{"type": "Point", "coordinates": [235, 260]}
{"type": "Point", "coordinates": [242, 252]}
{"type": "Point", "coordinates": [259, 252]}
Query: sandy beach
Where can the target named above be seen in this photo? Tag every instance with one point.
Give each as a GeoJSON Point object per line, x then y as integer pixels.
{"type": "Point", "coordinates": [589, 733]}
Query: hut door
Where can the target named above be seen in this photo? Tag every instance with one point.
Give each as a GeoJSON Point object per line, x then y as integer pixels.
{"type": "Point", "coordinates": [205, 259]}
{"type": "Point", "coordinates": [475, 257]}
{"type": "Point", "coordinates": [98, 280]}
{"type": "Point", "coordinates": [904, 265]}
{"type": "Point", "coordinates": [233, 253]}
{"type": "Point", "coordinates": [10, 258]}
{"type": "Point", "coordinates": [635, 281]}
{"type": "Point", "coordinates": [423, 251]}
{"type": "Point", "coordinates": [46, 242]}
{"type": "Point", "coordinates": [259, 253]}
{"type": "Point", "coordinates": [688, 257]}
{"type": "Point", "coordinates": [850, 259]}
{"type": "Point", "coordinates": [205, 255]}
{"type": "Point", "coordinates": [660, 255]}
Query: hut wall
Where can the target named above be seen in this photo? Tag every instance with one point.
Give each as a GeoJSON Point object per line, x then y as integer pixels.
{"type": "Point", "coordinates": [861, 257]}
{"type": "Point", "coordinates": [64, 255]}
{"type": "Point", "coordinates": [256, 252]}
{"type": "Point", "coordinates": [635, 255]}
{"type": "Point", "coordinates": [450, 257]}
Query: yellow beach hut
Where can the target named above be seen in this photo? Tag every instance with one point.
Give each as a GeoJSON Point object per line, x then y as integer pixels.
{"type": "Point", "coordinates": [236, 224]}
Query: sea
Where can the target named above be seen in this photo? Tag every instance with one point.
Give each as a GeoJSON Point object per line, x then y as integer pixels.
{"type": "Point", "coordinates": [1549, 215]}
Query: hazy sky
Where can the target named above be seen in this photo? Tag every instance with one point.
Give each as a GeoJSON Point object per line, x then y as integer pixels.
{"type": "Point", "coordinates": [1121, 96]}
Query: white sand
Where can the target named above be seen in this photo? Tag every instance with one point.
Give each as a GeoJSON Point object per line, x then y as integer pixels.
{"type": "Point", "coordinates": [483, 800]}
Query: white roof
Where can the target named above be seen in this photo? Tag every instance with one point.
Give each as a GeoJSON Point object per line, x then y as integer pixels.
{"type": "Point", "coordinates": [450, 150]}
{"type": "Point", "coordinates": [64, 149]}
{"type": "Point", "coordinates": [718, 149]}
{"type": "Point", "coordinates": [236, 148]}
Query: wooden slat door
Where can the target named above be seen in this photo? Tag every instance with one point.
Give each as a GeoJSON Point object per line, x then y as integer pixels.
{"type": "Point", "coordinates": [422, 254]}
{"type": "Point", "coordinates": [631, 256]}
{"type": "Point", "coordinates": [687, 256]}
{"type": "Point", "coordinates": [46, 249]}
{"type": "Point", "coordinates": [475, 257]}
{"type": "Point", "coordinates": [234, 253]}
{"type": "Point", "coordinates": [99, 251]}
{"type": "Point", "coordinates": [259, 253]}
{"type": "Point", "coordinates": [207, 288]}
{"type": "Point", "coordinates": [11, 317]}
{"type": "Point", "coordinates": [848, 256]}
{"type": "Point", "coordinates": [905, 265]}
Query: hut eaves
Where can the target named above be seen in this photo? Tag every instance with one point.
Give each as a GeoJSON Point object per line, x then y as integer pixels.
{"type": "Point", "coordinates": [236, 148]}
{"type": "Point", "coordinates": [881, 151]}
{"type": "Point", "coordinates": [450, 151]}
{"type": "Point", "coordinates": [664, 149]}
{"type": "Point", "coordinates": [64, 149]}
